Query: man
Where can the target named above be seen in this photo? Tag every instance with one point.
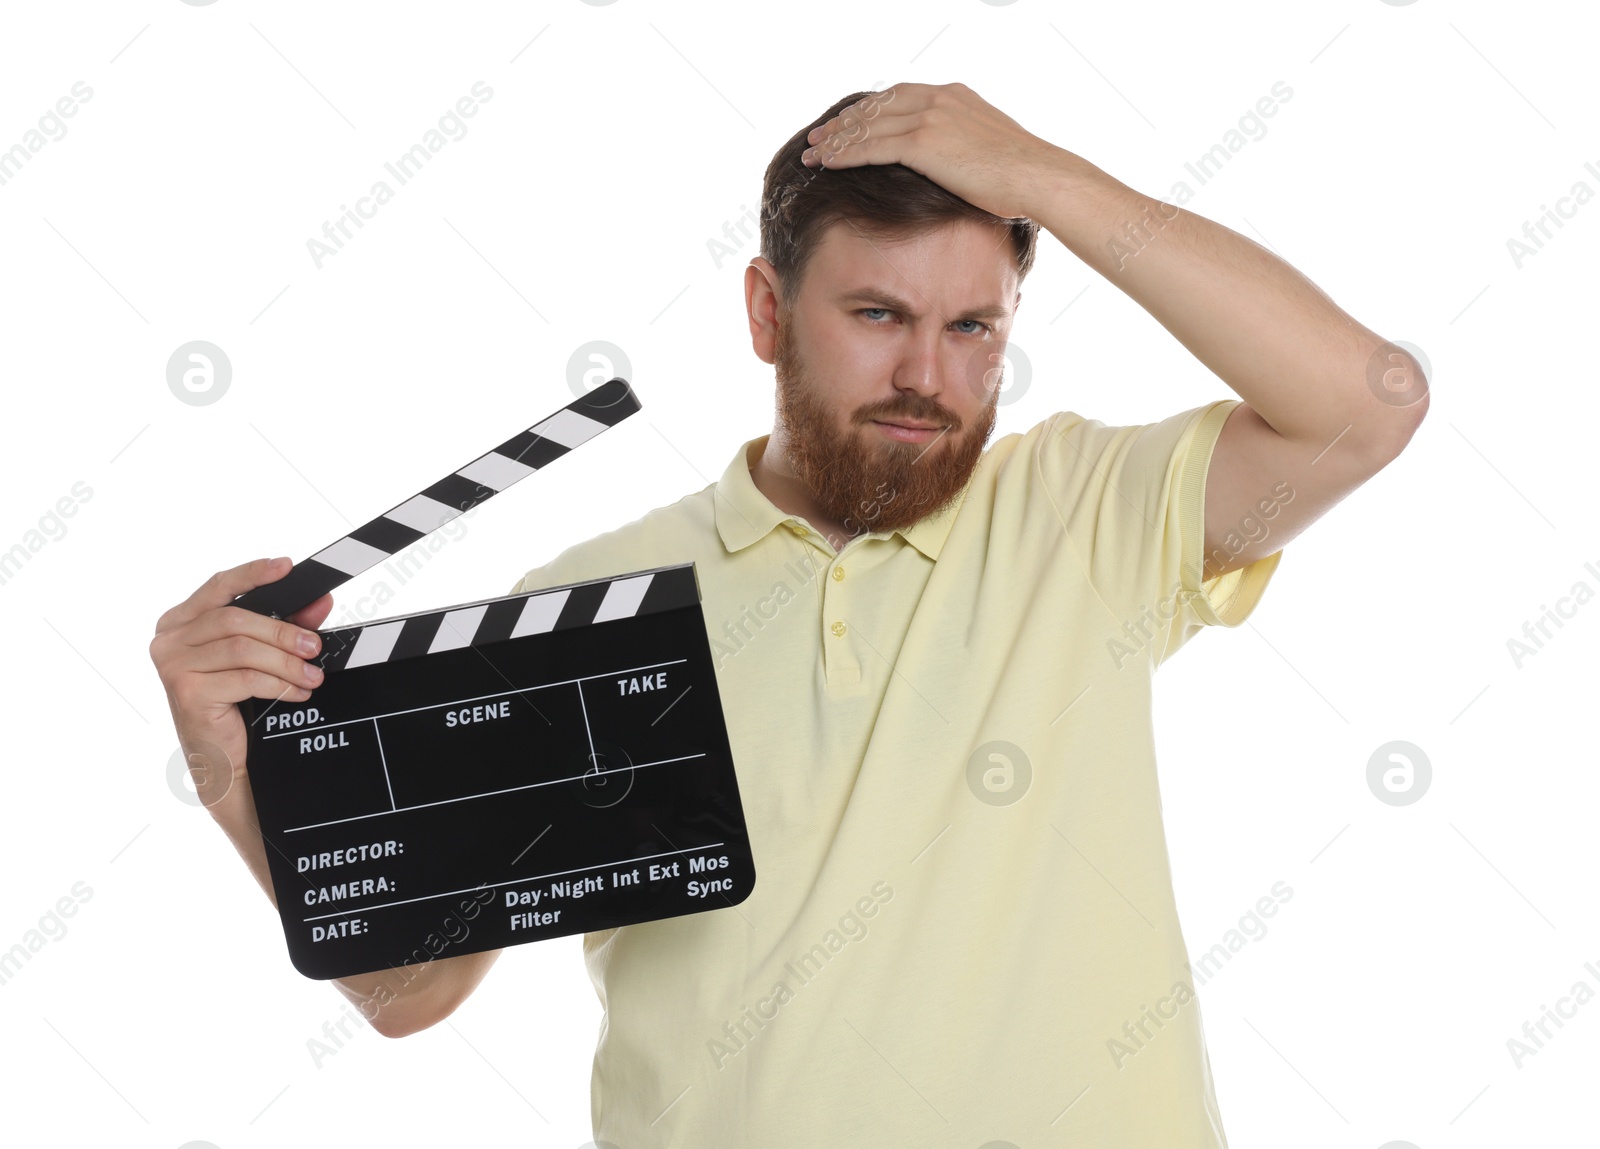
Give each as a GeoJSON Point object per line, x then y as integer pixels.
{"type": "Point", "coordinates": [935, 660]}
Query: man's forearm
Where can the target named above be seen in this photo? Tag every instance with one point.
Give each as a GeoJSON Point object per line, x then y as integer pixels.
{"type": "Point", "coordinates": [1266, 331]}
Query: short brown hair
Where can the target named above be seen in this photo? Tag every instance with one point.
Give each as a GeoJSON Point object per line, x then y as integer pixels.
{"type": "Point", "coordinates": [884, 201]}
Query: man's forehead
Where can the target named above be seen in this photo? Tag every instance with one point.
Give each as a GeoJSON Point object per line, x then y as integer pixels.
{"type": "Point", "coordinates": [965, 264]}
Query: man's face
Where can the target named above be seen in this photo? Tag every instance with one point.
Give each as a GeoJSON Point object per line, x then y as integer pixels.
{"type": "Point", "coordinates": [911, 331]}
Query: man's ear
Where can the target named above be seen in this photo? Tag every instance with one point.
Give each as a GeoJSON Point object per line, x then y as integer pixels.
{"type": "Point", "coordinates": [761, 298]}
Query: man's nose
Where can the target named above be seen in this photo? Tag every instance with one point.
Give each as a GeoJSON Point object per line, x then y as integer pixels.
{"type": "Point", "coordinates": [924, 365]}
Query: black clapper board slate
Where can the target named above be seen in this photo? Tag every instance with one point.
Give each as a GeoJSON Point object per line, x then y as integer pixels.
{"type": "Point", "coordinates": [501, 771]}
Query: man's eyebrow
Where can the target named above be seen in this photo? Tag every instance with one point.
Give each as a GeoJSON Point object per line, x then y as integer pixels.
{"type": "Point", "coordinates": [877, 297]}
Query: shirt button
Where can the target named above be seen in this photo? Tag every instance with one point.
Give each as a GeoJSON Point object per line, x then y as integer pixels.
{"type": "Point", "coordinates": [797, 528]}
{"type": "Point", "coordinates": [838, 629]}
{"type": "Point", "coordinates": [838, 573]}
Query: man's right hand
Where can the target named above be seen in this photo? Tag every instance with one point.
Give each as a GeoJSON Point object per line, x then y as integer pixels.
{"type": "Point", "coordinates": [212, 655]}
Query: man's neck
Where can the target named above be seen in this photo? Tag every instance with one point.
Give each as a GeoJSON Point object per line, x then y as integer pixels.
{"type": "Point", "coordinates": [786, 492]}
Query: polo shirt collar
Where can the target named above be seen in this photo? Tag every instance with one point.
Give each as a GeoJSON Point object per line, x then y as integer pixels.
{"type": "Point", "coordinates": [744, 514]}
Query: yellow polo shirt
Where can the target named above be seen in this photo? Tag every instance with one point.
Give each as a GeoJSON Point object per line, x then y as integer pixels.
{"type": "Point", "coordinates": [963, 927]}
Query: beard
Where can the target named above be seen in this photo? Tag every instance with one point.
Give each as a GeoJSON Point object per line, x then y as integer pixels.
{"type": "Point", "coordinates": [859, 477]}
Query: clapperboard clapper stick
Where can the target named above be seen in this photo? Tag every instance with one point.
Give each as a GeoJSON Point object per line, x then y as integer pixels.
{"type": "Point", "coordinates": [501, 771]}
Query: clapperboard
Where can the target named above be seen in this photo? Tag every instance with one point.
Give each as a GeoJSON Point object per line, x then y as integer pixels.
{"type": "Point", "coordinates": [501, 771]}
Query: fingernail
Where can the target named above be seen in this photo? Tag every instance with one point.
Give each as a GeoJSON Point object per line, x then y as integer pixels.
{"type": "Point", "coordinates": [307, 643]}
{"type": "Point", "coordinates": [313, 672]}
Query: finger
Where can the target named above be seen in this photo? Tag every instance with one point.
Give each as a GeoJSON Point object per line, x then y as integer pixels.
{"type": "Point", "coordinates": [850, 126]}
{"type": "Point", "coordinates": [239, 651]}
{"type": "Point", "coordinates": [886, 144]}
{"type": "Point", "coordinates": [236, 685]}
{"type": "Point", "coordinates": [222, 588]}
{"type": "Point", "coordinates": [312, 614]}
{"type": "Point", "coordinates": [907, 99]}
{"type": "Point", "coordinates": [858, 131]}
{"type": "Point", "coordinates": [228, 621]}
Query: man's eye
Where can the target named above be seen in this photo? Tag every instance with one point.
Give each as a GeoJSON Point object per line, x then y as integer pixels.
{"type": "Point", "coordinates": [864, 311]}
{"type": "Point", "coordinates": [984, 326]}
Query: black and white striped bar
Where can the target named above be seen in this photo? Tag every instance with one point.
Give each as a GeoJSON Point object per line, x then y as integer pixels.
{"type": "Point", "coordinates": [495, 620]}
{"type": "Point", "coordinates": [456, 493]}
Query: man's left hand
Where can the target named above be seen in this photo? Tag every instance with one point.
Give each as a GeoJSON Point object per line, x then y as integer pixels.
{"type": "Point", "coordinates": [948, 133]}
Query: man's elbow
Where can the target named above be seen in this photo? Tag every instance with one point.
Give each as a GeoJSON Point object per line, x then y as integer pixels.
{"type": "Point", "coordinates": [431, 993]}
{"type": "Point", "coordinates": [1407, 420]}
{"type": "Point", "coordinates": [404, 1027]}
{"type": "Point", "coordinates": [1401, 385]}
{"type": "Point", "coordinates": [404, 1017]}
{"type": "Point", "coordinates": [389, 1027]}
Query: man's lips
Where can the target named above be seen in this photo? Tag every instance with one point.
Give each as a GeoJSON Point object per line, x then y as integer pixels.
{"type": "Point", "coordinates": [910, 433]}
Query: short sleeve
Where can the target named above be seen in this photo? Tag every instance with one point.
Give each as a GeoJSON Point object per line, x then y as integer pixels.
{"type": "Point", "coordinates": [1132, 502]}
{"type": "Point", "coordinates": [558, 572]}
{"type": "Point", "coordinates": [603, 556]}
{"type": "Point", "coordinates": [549, 575]}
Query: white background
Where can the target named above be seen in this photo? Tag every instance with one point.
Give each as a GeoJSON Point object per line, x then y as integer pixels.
{"type": "Point", "coordinates": [619, 140]}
